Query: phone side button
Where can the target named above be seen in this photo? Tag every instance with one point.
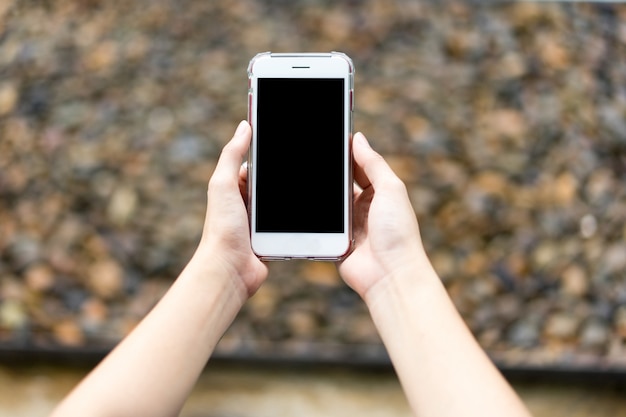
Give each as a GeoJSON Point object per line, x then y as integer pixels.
{"type": "Point", "coordinates": [351, 100]}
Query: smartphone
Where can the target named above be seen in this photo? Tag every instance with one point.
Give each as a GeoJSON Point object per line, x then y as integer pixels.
{"type": "Point", "coordinates": [300, 162]}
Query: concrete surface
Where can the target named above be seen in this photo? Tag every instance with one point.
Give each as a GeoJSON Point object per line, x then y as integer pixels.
{"type": "Point", "coordinates": [237, 391]}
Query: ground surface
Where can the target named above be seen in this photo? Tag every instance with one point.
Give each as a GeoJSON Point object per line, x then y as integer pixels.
{"type": "Point", "coordinates": [228, 391]}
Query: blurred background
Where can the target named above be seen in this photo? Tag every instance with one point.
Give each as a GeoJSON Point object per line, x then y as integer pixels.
{"type": "Point", "coordinates": [506, 120]}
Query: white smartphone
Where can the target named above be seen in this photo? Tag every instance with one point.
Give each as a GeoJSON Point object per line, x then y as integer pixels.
{"type": "Point", "coordinates": [300, 162]}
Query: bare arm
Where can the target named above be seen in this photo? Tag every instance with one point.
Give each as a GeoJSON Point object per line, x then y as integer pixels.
{"type": "Point", "coordinates": [151, 372]}
{"type": "Point", "coordinates": [443, 370]}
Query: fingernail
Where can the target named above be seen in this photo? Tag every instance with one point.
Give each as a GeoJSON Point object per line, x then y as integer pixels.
{"type": "Point", "coordinates": [241, 128]}
{"type": "Point", "coordinates": [361, 137]}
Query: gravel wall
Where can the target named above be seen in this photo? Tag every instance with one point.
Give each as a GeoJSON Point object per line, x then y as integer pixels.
{"type": "Point", "coordinates": [507, 121]}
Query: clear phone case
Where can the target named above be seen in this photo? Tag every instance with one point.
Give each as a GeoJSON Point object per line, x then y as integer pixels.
{"type": "Point", "coordinates": [250, 163]}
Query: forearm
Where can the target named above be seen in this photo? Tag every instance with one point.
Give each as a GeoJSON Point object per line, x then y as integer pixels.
{"type": "Point", "coordinates": [151, 372]}
{"type": "Point", "coordinates": [443, 370]}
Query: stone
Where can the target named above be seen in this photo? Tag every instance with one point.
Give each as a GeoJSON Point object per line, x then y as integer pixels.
{"type": "Point", "coordinates": [105, 278]}
{"type": "Point", "coordinates": [544, 255]}
{"type": "Point", "coordinates": [619, 321]}
{"type": "Point", "coordinates": [68, 333]}
{"type": "Point", "coordinates": [600, 185]}
{"type": "Point", "coordinates": [418, 129]}
{"type": "Point", "coordinates": [262, 305]}
{"type": "Point", "coordinates": [575, 281]}
{"type": "Point", "coordinates": [423, 199]}
{"type": "Point", "coordinates": [404, 167]}
{"type": "Point", "coordinates": [94, 312]}
{"type": "Point", "coordinates": [122, 205]}
{"type": "Point", "coordinates": [588, 226]}
{"type": "Point", "coordinates": [101, 57]}
{"type": "Point", "coordinates": [491, 183]}
{"type": "Point", "coordinates": [361, 329]}
{"type": "Point", "coordinates": [508, 308]}
{"type": "Point", "coordinates": [614, 259]}
{"type": "Point", "coordinates": [24, 250]}
{"type": "Point", "coordinates": [524, 333]}
{"type": "Point", "coordinates": [12, 314]}
{"type": "Point", "coordinates": [511, 66]}
{"type": "Point", "coordinates": [506, 123]}
{"type": "Point", "coordinates": [594, 335]}
{"type": "Point", "coordinates": [39, 277]}
{"type": "Point", "coordinates": [9, 96]}
{"type": "Point", "coordinates": [444, 263]}
{"type": "Point", "coordinates": [302, 323]}
{"type": "Point", "coordinates": [561, 326]}
{"type": "Point", "coordinates": [565, 189]}
{"type": "Point", "coordinates": [160, 120]}
{"type": "Point", "coordinates": [554, 54]}
{"type": "Point", "coordinates": [321, 273]}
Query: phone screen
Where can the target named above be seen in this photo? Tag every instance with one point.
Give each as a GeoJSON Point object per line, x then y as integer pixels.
{"type": "Point", "coordinates": [300, 155]}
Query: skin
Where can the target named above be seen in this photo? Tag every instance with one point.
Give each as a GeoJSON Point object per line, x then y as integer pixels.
{"type": "Point", "coordinates": [441, 367]}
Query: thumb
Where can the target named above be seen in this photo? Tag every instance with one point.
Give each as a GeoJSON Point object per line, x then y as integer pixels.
{"type": "Point", "coordinates": [370, 167]}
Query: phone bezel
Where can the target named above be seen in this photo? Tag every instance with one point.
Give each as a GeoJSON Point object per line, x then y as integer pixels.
{"type": "Point", "coordinates": [316, 246]}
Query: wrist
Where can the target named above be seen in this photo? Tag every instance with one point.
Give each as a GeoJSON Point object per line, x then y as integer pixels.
{"type": "Point", "coordinates": [406, 284]}
{"type": "Point", "coordinates": [212, 273]}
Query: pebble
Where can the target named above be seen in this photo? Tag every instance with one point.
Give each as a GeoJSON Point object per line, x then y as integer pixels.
{"type": "Point", "coordinates": [614, 259]}
{"type": "Point", "coordinates": [594, 335]}
{"type": "Point", "coordinates": [619, 321]}
{"type": "Point", "coordinates": [508, 307]}
{"type": "Point", "coordinates": [302, 324]}
{"type": "Point", "coordinates": [101, 57]}
{"type": "Point", "coordinates": [505, 124]}
{"type": "Point", "coordinates": [561, 326]}
{"type": "Point", "coordinates": [574, 281]}
{"type": "Point", "coordinates": [68, 333]}
{"type": "Point", "coordinates": [12, 314]}
{"type": "Point", "coordinates": [160, 120]}
{"type": "Point", "coordinates": [588, 226]}
{"type": "Point", "coordinates": [600, 186]}
{"type": "Point", "coordinates": [93, 317]}
{"type": "Point", "coordinates": [39, 277]}
{"type": "Point", "coordinates": [554, 54]}
{"type": "Point", "coordinates": [423, 199]}
{"type": "Point", "coordinates": [122, 205]}
{"type": "Point", "coordinates": [9, 96]}
{"type": "Point", "coordinates": [524, 333]}
{"type": "Point", "coordinates": [444, 263]}
{"type": "Point", "coordinates": [404, 167]}
{"type": "Point", "coordinates": [94, 312]}
{"type": "Point", "coordinates": [544, 255]}
{"type": "Point", "coordinates": [321, 273]}
{"type": "Point", "coordinates": [24, 250]}
{"type": "Point", "coordinates": [106, 278]}
{"type": "Point", "coordinates": [264, 302]}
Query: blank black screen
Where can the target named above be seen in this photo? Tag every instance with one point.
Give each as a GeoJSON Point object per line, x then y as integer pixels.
{"type": "Point", "coordinates": [300, 153]}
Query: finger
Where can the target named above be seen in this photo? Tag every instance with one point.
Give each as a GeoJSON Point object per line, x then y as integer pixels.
{"type": "Point", "coordinates": [232, 154]}
{"type": "Point", "coordinates": [369, 166]}
{"type": "Point", "coordinates": [243, 180]}
{"type": "Point", "coordinates": [358, 174]}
